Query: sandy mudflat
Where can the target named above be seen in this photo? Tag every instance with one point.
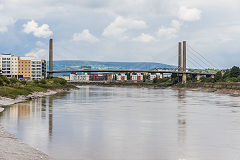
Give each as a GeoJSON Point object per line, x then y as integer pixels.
{"type": "Point", "coordinates": [10, 147]}
{"type": "Point", "coordinates": [13, 149]}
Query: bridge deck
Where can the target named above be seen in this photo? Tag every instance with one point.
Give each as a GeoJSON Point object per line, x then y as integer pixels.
{"type": "Point", "coordinates": [125, 71]}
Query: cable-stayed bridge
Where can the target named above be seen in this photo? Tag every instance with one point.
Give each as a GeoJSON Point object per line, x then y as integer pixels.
{"type": "Point", "coordinates": [194, 58]}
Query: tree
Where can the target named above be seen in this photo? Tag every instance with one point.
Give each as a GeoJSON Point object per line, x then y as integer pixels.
{"type": "Point", "coordinates": [218, 76]}
{"type": "Point", "coordinates": [155, 80]}
{"type": "Point", "coordinates": [234, 72]}
{"type": "Point", "coordinates": [226, 74]}
{"type": "Point", "coordinates": [144, 78]}
{"type": "Point", "coordinates": [128, 76]}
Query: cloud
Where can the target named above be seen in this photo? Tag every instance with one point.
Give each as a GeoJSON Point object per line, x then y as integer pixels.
{"type": "Point", "coordinates": [189, 14]}
{"type": "Point", "coordinates": [5, 21]}
{"type": "Point", "coordinates": [169, 32]}
{"type": "Point", "coordinates": [121, 25]}
{"type": "Point", "coordinates": [144, 38]}
{"type": "Point", "coordinates": [40, 44]}
{"type": "Point", "coordinates": [38, 53]}
{"type": "Point", "coordinates": [38, 31]}
{"type": "Point", "coordinates": [85, 36]}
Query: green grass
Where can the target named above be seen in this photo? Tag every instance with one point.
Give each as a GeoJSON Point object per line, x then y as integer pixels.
{"type": "Point", "coordinates": [16, 89]}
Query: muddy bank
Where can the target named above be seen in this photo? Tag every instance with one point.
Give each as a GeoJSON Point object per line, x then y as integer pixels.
{"type": "Point", "coordinates": [10, 147]}
{"type": "Point", "coordinates": [220, 87]}
{"type": "Point", "coordinates": [232, 88]}
{"type": "Point", "coordinates": [13, 149]}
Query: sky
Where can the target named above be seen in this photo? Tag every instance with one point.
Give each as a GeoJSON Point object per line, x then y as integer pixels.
{"type": "Point", "coordinates": [126, 30]}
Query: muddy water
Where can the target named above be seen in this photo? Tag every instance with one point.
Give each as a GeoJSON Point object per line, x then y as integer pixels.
{"type": "Point", "coordinates": [107, 123]}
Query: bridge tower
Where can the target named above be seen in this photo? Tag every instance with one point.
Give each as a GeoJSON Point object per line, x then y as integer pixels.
{"type": "Point", "coordinates": [50, 57]}
{"type": "Point", "coordinates": [184, 77]}
{"type": "Point", "coordinates": [180, 61]}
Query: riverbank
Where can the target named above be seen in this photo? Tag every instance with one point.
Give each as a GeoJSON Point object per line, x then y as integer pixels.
{"type": "Point", "coordinates": [232, 88]}
{"type": "Point", "coordinates": [10, 147]}
{"type": "Point", "coordinates": [6, 101]}
{"type": "Point", "coordinates": [13, 149]}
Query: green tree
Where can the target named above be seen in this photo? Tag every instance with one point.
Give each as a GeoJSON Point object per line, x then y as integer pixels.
{"type": "Point", "coordinates": [218, 76]}
{"type": "Point", "coordinates": [234, 72]}
{"type": "Point", "coordinates": [128, 76]}
{"type": "Point", "coordinates": [226, 74]}
{"type": "Point", "coordinates": [144, 78]}
{"type": "Point", "coordinates": [155, 80]}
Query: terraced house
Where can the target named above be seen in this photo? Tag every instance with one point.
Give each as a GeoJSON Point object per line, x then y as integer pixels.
{"type": "Point", "coordinates": [25, 68]}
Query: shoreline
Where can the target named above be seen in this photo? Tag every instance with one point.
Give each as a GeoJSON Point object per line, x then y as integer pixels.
{"type": "Point", "coordinates": [5, 101]}
{"type": "Point", "coordinates": [207, 87]}
{"type": "Point", "coordinates": [11, 148]}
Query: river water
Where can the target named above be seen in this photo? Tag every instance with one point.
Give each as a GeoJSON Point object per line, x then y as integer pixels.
{"type": "Point", "coordinates": [108, 123]}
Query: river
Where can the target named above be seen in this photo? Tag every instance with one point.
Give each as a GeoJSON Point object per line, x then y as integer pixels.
{"type": "Point", "coordinates": [113, 123]}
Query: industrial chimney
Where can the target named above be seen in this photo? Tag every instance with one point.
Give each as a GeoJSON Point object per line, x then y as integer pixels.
{"type": "Point", "coordinates": [50, 56]}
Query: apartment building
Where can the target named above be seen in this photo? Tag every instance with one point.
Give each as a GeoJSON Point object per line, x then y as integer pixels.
{"type": "Point", "coordinates": [25, 68]}
{"type": "Point", "coordinates": [121, 77]}
{"type": "Point", "coordinates": [9, 65]}
{"type": "Point", "coordinates": [36, 69]}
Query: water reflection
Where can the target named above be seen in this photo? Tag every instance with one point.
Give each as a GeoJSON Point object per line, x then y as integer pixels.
{"type": "Point", "coordinates": [50, 116]}
{"type": "Point", "coordinates": [181, 124]}
{"type": "Point", "coordinates": [129, 123]}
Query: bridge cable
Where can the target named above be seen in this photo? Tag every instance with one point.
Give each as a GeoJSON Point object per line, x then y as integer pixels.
{"type": "Point", "coordinates": [196, 67]}
{"type": "Point", "coordinates": [207, 65]}
{"type": "Point", "coordinates": [202, 56]}
{"type": "Point", "coordinates": [196, 62]}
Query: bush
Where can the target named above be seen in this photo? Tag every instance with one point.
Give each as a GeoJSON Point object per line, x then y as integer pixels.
{"type": "Point", "coordinates": [35, 81]}
{"type": "Point", "coordinates": [233, 79]}
{"type": "Point", "coordinates": [13, 80]}
{"type": "Point", "coordinates": [23, 82]}
{"type": "Point", "coordinates": [5, 80]}
{"type": "Point", "coordinates": [43, 81]}
{"type": "Point", "coordinates": [59, 81]}
{"type": "Point", "coordinates": [1, 82]}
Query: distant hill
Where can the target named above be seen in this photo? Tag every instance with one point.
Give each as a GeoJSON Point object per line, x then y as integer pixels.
{"type": "Point", "coordinates": [77, 64]}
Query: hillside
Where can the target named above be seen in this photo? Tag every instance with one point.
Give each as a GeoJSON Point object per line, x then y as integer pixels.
{"type": "Point", "coordinates": [77, 64]}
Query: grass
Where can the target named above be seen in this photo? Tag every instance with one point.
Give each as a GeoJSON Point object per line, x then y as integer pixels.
{"type": "Point", "coordinates": [16, 89]}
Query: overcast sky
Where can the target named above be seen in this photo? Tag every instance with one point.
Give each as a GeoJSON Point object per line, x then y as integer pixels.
{"type": "Point", "coordinates": [122, 30]}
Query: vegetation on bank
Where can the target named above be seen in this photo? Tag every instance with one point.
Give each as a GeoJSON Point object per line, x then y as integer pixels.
{"type": "Point", "coordinates": [13, 87]}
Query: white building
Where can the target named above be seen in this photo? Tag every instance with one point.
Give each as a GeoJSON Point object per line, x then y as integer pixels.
{"type": "Point", "coordinates": [155, 75]}
{"type": "Point", "coordinates": [121, 77]}
{"type": "Point", "coordinates": [36, 69]}
{"type": "Point", "coordinates": [73, 77]}
{"type": "Point", "coordinates": [134, 77]}
{"type": "Point", "coordinates": [83, 78]}
{"type": "Point", "coordinates": [27, 68]}
{"type": "Point", "coordinates": [9, 65]}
